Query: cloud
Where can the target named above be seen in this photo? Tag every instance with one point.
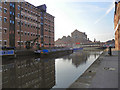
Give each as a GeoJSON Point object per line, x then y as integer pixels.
{"type": "Point", "coordinates": [86, 0]}
{"type": "Point", "coordinates": [103, 37]}
{"type": "Point", "coordinates": [107, 12]}
{"type": "Point", "coordinates": [89, 8]}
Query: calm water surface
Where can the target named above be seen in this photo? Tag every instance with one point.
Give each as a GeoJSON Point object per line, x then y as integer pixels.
{"type": "Point", "coordinates": [34, 72]}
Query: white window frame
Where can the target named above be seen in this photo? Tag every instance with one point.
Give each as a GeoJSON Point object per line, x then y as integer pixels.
{"type": "Point", "coordinates": [19, 7]}
{"type": "Point", "coordinates": [1, 18]}
{"type": "Point", "coordinates": [1, 28]}
{"type": "Point", "coordinates": [4, 42]}
{"type": "Point", "coordinates": [1, 42]}
{"type": "Point", "coordinates": [5, 2]}
{"type": "Point", "coordinates": [6, 19]}
{"type": "Point", "coordinates": [1, 8]}
{"type": "Point", "coordinates": [5, 9]}
{"type": "Point", "coordinates": [19, 15]}
{"type": "Point", "coordinates": [25, 32]}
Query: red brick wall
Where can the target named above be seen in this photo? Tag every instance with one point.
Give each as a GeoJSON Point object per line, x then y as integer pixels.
{"type": "Point", "coordinates": [117, 32]}
{"type": "Point", "coordinates": [36, 20]}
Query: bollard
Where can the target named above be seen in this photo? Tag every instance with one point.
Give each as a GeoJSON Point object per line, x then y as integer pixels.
{"type": "Point", "coordinates": [110, 51]}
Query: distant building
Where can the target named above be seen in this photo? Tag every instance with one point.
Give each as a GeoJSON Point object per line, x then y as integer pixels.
{"type": "Point", "coordinates": [117, 24]}
{"type": "Point", "coordinates": [76, 37]}
{"type": "Point", "coordinates": [110, 43]}
{"type": "Point", "coordinates": [59, 43]}
{"type": "Point", "coordinates": [79, 37]}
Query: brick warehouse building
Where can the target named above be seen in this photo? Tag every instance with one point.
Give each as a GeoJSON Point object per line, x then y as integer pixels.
{"type": "Point", "coordinates": [22, 21]}
{"type": "Point", "coordinates": [117, 24]}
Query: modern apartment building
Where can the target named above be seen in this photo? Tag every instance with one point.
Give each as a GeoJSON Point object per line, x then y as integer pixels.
{"type": "Point", "coordinates": [117, 24]}
{"type": "Point", "coordinates": [22, 22]}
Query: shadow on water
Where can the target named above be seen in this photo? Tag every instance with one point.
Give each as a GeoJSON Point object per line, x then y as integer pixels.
{"type": "Point", "coordinates": [28, 73]}
{"type": "Point", "coordinates": [34, 72]}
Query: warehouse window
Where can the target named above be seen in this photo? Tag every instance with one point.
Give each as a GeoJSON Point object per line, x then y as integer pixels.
{"type": "Point", "coordinates": [5, 19]}
{"type": "Point", "coordinates": [31, 34]}
{"type": "Point", "coordinates": [25, 4]}
{"type": "Point", "coordinates": [18, 15]}
{"type": "Point", "coordinates": [18, 7]}
{"type": "Point", "coordinates": [5, 2]}
{"type": "Point", "coordinates": [21, 16]}
{"type": "Point", "coordinates": [10, 4]}
{"type": "Point", "coordinates": [21, 23]}
{"type": "Point", "coordinates": [10, 21]}
{"type": "Point", "coordinates": [25, 33]}
{"type": "Point", "coordinates": [13, 5]}
{"type": "Point", "coordinates": [21, 32]}
{"type": "Point", "coordinates": [25, 10]}
{"type": "Point", "coordinates": [25, 24]}
{"type": "Point", "coordinates": [18, 42]}
{"type": "Point", "coordinates": [21, 8]}
{"type": "Point", "coordinates": [21, 42]}
{"type": "Point", "coordinates": [13, 22]}
{"type": "Point", "coordinates": [0, 18]}
{"type": "Point", "coordinates": [0, 29]}
{"type": "Point", "coordinates": [5, 10]}
{"type": "Point", "coordinates": [13, 13]}
{"type": "Point", "coordinates": [28, 11]}
{"type": "Point", "coordinates": [18, 32]}
{"type": "Point", "coordinates": [5, 30]}
{"type": "Point", "coordinates": [28, 25]}
{"type": "Point", "coordinates": [0, 9]}
{"type": "Point", "coordinates": [10, 12]}
{"type": "Point", "coordinates": [18, 23]}
{"type": "Point", "coordinates": [0, 42]}
{"type": "Point", "coordinates": [5, 42]}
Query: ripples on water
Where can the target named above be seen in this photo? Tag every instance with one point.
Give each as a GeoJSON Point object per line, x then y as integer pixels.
{"type": "Point", "coordinates": [34, 72]}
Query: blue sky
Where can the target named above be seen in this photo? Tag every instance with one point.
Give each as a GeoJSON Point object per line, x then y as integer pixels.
{"type": "Point", "coordinates": [96, 18]}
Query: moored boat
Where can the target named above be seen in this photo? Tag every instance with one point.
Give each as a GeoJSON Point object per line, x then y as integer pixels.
{"type": "Point", "coordinates": [7, 51]}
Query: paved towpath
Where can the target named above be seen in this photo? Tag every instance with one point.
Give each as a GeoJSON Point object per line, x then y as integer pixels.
{"type": "Point", "coordinates": [103, 73]}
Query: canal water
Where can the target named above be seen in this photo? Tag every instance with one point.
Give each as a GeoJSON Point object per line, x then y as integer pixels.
{"type": "Point", "coordinates": [33, 72]}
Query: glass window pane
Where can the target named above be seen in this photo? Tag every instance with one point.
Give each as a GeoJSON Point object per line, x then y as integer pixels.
{"type": "Point", "coordinates": [5, 20]}
{"type": "Point", "coordinates": [5, 10]}
{"type": "Point", "coordinates": [0, 9]}
{"type": "Point", "coordinates": [0, 18]}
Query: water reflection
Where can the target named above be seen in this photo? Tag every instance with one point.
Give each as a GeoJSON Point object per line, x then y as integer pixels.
{"type": "Point", "coordinates": [70, 67]}
{"type": "Point", "coordinates": [34, 72]}
{"type": "Point", "coordinates": [80, 57]}
{"type": "Point", "coordinates": [28, 73]}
